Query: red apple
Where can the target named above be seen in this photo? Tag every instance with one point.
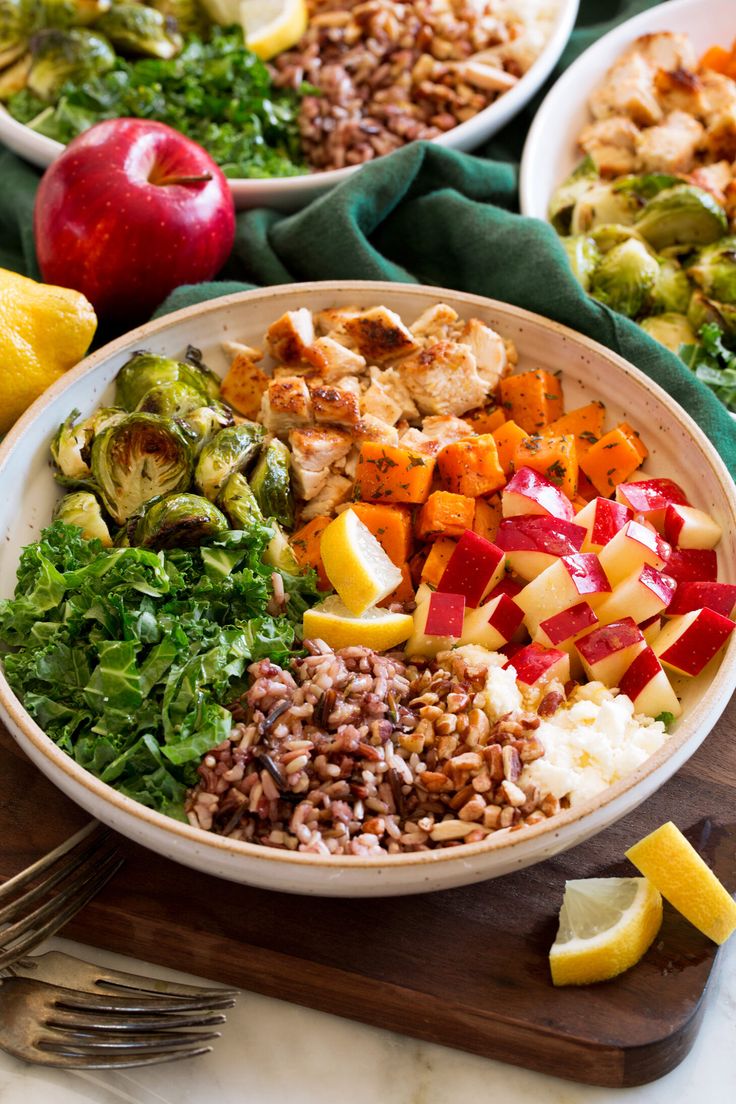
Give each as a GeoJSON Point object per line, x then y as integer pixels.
{"type": "Point", "coordinates": [532, 543]}
{"type": "Point", "coordinates": [689, 642]}
{"type": "Point", "coordinates": [651, 627]}
{"type": "Point", "coordinates": [685, 527]}
{"type": "Point", "coordinates": [537, 666]}
{"type": "Point", "coordinates": [475, 567]}
{"type": "Point", "coordinates": [720, 597]}
{"type": "Point", "coordinates": [567, 581]}
{"type": "Point", "coordinates": [438, 624]}
{"type": "Point", "coordinates": [602, 518]}
{"type": "Point", "coordinates": [648, 686]}
{"type": "Point", "coordinates": [510, 586]}
{"type": "Point", "coordinates": [493, 624]}
{"type": "Point", "coordinates": [649, 498]}
{"type": "Point", "coordinates": [610, 650]}
{"type": "Point", "coordinates": [641, 596]}
{"type": "Point", "coordinates": [567, 625]}
{"type": "Point", "coordinates": [630, 549]}
{"type": "Point", "coordinates": [692, 565]}
{"type": "Point", "coordinates": [129, 211]}
{"type": "Point", "coordinates": [528, 492]}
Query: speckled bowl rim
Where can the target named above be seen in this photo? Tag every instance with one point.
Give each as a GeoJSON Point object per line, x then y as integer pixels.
{"type": "Point", "coordinates": [701, 718]}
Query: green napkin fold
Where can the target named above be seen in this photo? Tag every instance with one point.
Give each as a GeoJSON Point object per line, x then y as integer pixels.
{"type": "Point", "coordinates": [428, 215]}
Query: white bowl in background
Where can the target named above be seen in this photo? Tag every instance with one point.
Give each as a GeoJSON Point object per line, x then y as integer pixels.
{"type": "Point", "coordinates": [678, 448]}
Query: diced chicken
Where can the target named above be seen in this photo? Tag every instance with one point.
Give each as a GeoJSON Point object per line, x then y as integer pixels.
{"type": "Point", "coordinates": [670, 147]}
{"type": "Point", "coordinates": [308, 484]}
{"type": "Point", "coordinates": [282, 372]}
{"type": "Point", "coordinates": [443, 379]}
{"type": "Point", "coordinates": [713, 178]}
{"type": "Point", "coordinates": [370, 428]}
{"type": "Point", "coordinates": [720, 136]}
{"type": "Point", "coordinates": [392, 382]}
{"type": "Point", "coordinates": [489, 350]}
{"type": "Point", "coordinates": [419, 442]}
{"type": "Point", "coordinates": [349, 465]}
{"type": "Point", "coordinates": [379, 335]}
{"type": "Point", "coordinates": [379, 404]}
{"type": "Point", "coordinates": [325, 321]}
{"type": "Point", "coordinates": [336, 490]}
{"type": "Point", "coordinates": [680, 90]}
{"type": "Point", "coordinates": [289, 336]}
{"type": "Point", "coordinates": [317, 447]}
{"type": "Point", "coordinates": [434, 322]}
{"type": "Point", "coordinates": [351, 384]}
{"type": "Point", "coordinates": [332, 360]}
{"type": "Point", "coordinates": [664, 50]}
{"type": "Point", "coordinates": [286, 404]}
{"type": "Point", "coordinates": [719, 94]}
{"type": "Point", "coordinates": [628, 89]}
{"type": "Point", "coordinates": [612, 144]}
{"type": "Point", "coordinates": [335, 404]}
{"type": "Point", "coordinates": [244, 386]}
{"type": "Point", "coordinates": [236, 348]}
{"type": "Point", "coordinates": [443, 429]}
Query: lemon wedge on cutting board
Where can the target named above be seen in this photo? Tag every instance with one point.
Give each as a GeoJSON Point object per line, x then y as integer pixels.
{"type": "Point", "coordinates": [356, 564]}
{"type": "Point", "coordinates": [272, 26]}
{"type": "Point", "coordinates": [378, 629]}
{"type": "Point", "coordinates": [606, 926]}
{"type": "Point", "coordinates": [673, 865]}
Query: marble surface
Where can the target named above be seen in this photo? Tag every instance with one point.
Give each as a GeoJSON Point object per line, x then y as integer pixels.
{"type": "Point", "coordinates": [272, 1052]}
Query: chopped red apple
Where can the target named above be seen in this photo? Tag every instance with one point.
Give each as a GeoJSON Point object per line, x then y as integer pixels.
{"type": "Point", "coordinates": [630, 549]}
{"type": "Point", "coordinates": [610, 650]}
{"type": "Point", "coordinates": [688, 642]}
{"type": "Point", "coordinates": [641, 596]}
{"type": "Point", "coordinates": [646, 683]}
{"type": "Point", "coordinates": [563, 584]}
{"type": "Point", "coordinates": [493, 624]}
{"type": "Point", "coordinates": [686, 527]}
{"type": "Point", "coordinates": [720, 597]}
{"type": "Point", "coordinates": [532, 543]}
{"type": "Point", "coordinates": [475, 567]}
{"type": "Point", "coordinates": [650, 498]}
{"type": "Point", "coordinates": [602, 518]}
{"type": "Point", "coordinates": [567, 626]}
{"type": "Point", "coordinates": [537, 666]}
{"type": "Point", "coordinates": [528, 492]}
{"type": "Point", "coordinates": [693, 565]}
{"type": "Point", "coordinates": [651, 627]}
{"type": "Point", "coordinates": [508, 586]}
{"type": "Point", "coordinates": [438, 624]}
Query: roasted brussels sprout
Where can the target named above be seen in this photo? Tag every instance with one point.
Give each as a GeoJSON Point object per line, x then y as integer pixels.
{"type": "Point", "coordinates": [279, 553]}
{"type": "Point", "coordinates": [147, 370]}
{"type": "Point", "coordinates": [583, 255]}
{"type": "Point", "coordinates": [189, 15]}
{"type": "Point", "coordinates": [231, 450]}
{"type": "Point", "coordinates": [569, 192]}
{"type": "Point", "coordinates": [239, 503]}
{"type": "Point", "coordinates": [137, 29]}
{"type": "Point", "coordinates": [646, 185]}
{"type": "Point", "coordinates": [625, 278]}
{"type": "Point", "coordinates": [59, 56]}
{"type": "Point", "coordinates": [178, 521]}
{"type": "Point", "coordinates": [82, 509]}
{"type": "Point", "coordinates": [670, 329]}
{"type": "Point", "coordinates": [684, 214]}
{"type": "Point", "coordinates": [171, 400]}
{"type": "Point", "coordinates": [601, 204]}
{"type": "Point", "coordinates": [702, 310]}
{"type": "Point", "coordinates": [201, 425]}
{"type": "Point", "coordinates": [714, 270]}
{"type": "Point", "coordinates": [15, 25]}
{"type": "Point", "coordinates": [611, 234]}
{"type": "Point", "coordinates": [271, 484]}
{"type": "Point", "coordinates": [71, 447]}
{"type": "Point", "coordinates": [137, 459]}
{"type": "Point", "coordinates": [672, 289]}
{"type": "Point", "coordinates": [69, 13]}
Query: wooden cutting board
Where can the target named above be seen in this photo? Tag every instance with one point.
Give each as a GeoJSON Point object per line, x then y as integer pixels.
{"type": "Point", "coordinates": [466, 967]}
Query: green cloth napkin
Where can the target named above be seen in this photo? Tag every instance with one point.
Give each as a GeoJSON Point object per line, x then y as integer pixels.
{"type": "Point", "coordinates": [429, 215]}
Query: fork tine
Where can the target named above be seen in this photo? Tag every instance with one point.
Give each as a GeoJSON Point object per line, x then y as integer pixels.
{"type": "Point", "coordinates": [87, 1021]}
{"type": "Point", "coordinates": [72, 874]}
{"type": "Point", "coordinates": [20, 880]}
{"type": "Point", "coordinates": [113, 1002]}
{"type": "Point", "coordinates": [116, 1060]}
{"type": "Point", "coordinates": [86, 853]}
{"type": "Point", "coordinates": [140, 1044]}
{"type": "Point", "coordinates": [117, 979]}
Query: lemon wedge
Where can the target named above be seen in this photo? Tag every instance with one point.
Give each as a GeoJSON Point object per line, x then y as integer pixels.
{"type": "Point", "coordinates": [673, 865]}
{"type": "Point", "coordinates": [334, 623]}
{"type": "Point", "coordinates": [356, 565]}
{"type": "Point", "coordinates": [606, 926]}
{"type": "Point", "coordinates": [271, 26]}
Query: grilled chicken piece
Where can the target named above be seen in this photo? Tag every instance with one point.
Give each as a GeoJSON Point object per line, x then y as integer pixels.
{"type": "Point", "coordinates": [289, 336]}
{"type": "Point", "coordinates": [317, 447]}
{"type": "Point", "coordinates": [670, 147]}
{"type": "Point", "coordinates": [434, 322]}
{"type": "Point", "coordinates": [332, 360]}
{"type": "Point", "coordinates": [378, 403]}
{"type": "Point", "coordinates": [720, 136]}
{"type": "Point", "coordinates": [443, 429]}
{"type": "Point", "coordinates": [663, 50]}
{"type": "Point", "coordinates": [391, 382]}
{"type": "Point", "coordinates": [332, 318]}
{"type": "Point", "coordinates": [417, 441]}
{"type": "Point", "coordinates": [370, 428]}
{"type": "Point", "coordinates": [612, 144]}
{"type": "Point", "coordinates": [719, 96]}
{"type": "Point", "coordinates": [680, 90]}
{"type": "Point", "coordinates": [232, 349]}
{"type": "Point", "coordinates": [489, 350]}
{"type": "Point", "coordinates": [713, 178]}
{"type": "Point", "coordinates": [308, 484]}
{"type": "Point", "coordinates": [379, 335]}
{"type": "Point", "coordinates": [628, 89]}
{"type": "Point", "coordinates": [336, 490]}
{"type": "Point", "coordinates": [286, 404]}
{"type": "Point", "coordinates": [443, 379]}
{"type": "Point", "coordinates": [331, 403]}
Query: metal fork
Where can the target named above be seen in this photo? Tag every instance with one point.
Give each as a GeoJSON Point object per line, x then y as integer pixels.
{"type": "Point", "coordinates": [41, 899]}
{"type": "Point", "coordinates": [52, 1026]}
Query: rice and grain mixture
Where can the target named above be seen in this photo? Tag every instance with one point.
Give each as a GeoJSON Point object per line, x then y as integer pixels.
{"type": "Point", "coordinates": [388, 72]}
{"type": "Point", "coordinates": [352, 752]}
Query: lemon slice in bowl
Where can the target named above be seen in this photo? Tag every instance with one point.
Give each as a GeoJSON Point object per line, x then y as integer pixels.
{"type": "Point", "coordinates": [356, 564]}
{"type": "Point", "coordinates": [379, 629]}
{"type": "Point", "coordinates": [673, 865]}
{"type": "Point", "coordinates": [606, 926]}
{"type": "Point", "coordinates": [271, 26]}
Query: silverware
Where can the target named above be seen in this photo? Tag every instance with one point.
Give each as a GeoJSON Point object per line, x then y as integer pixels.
{"type": "Point", "coordinates": [53, 1026]}
{"type": "Point", "coordinates": [41, 899]}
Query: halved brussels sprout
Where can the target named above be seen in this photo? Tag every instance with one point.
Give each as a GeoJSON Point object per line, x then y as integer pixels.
{"type": "Point", "coordinates": [201, 425]}
{"type": "Point", "coordinates": [137, 29]}
{"type": "Point", "coordinates": [271, 484]}
{"type": "Point", "coordinates": [601, 204]}
{"type": "Point", "coordinates": [646, 185]}
{"type": "Point", "coordinates": [210, 380]}
{"type": "Point", "coordinates": [625, 278]}
{"type": "Point", "coordinates": [583, 255]}
{"type": "Point", "coordinates": [178, 521]}
{"type": "Point", "coordinates": [61, 56]}
{"type": "Point", "coordinates": [611, 234]}
{"type": "Point", "coordinates": [714, 270]}
{"type": "Point", "coordinates": [702, 310]}
{"type": "Point", "coordinates": [188, 14]}
{"type": "Point", "coordinates": [71, 447]}
{"type": "Point", "coordinates": [670, 329]}
{"type": "Point", "coordinates": [569, 192]}
{"type": "Point", "coordinates": [69, 13]}
{"type": "Point", "coordinates": [672, 289]}
{"type": "Point", "coordinates": [171, 400]}
{"type": "Point", "coordinates": [147, 370]}
{"type": "Point", "coordinates": [682, 215]}
{"type": "Point", "coordinates": [82, 509]}
{"type": "Point", "coordinates": [138, 459]}
{"type": "Point", "coordinates": [279, 553]}
{"type": "Point", "coordinates": [15, 27]}
{"type": "Point", "coordinates": [239, 503]}
{"type": "Point", "coordinates": [231, 450]}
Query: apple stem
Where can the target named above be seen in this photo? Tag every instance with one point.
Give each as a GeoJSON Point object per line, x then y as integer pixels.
{"type": "Point", "coordinates": [163, 181]}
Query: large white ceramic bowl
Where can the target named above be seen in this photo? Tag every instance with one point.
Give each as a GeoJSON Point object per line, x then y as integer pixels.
{"type": "Point", "coordinates": [294, 192]}
{"type": "Point", "coordinates": [551, 151]}
{"type": "Point", "coordinates": [678, 449]}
